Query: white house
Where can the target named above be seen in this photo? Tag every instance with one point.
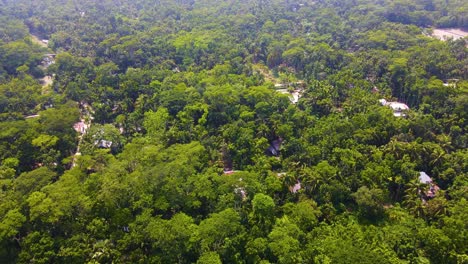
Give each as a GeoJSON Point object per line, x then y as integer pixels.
{"type": "Point", "coordinates": [398, 108]}
{"type": "Point", "coordinates": [433, 188]}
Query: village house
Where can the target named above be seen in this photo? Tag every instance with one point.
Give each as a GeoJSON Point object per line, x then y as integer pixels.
{"type": "Point", "coordinates": [399, 109]}
{"type": "Point", "coordinates": [433, 188]}
{"type": "Point", "coordinates": [80, 127]}
{"type": "Point", "coordinates": [103, 143]}
{"type": "Point", "coordinates": [295, 188]}
{"type": "Point", "coordinates": [274, 148]}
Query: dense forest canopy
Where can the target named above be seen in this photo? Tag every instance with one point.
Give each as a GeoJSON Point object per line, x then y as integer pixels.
{"type": "Point", "coordinates": [229, 131]}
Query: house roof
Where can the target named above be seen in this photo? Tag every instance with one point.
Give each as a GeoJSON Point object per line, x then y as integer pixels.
{"type": "Point", "coordinates": [296, 187]}
{"type": "Point", "coordinates": [80, 127]}
{"type": "Point", "coordinates": [274, 148]}
{"type": "Point", "coordinates": [397, 107]}
{"type": "Point", "coordinates": [228, 172]}
{"type": "Point", "coordinates": [433, 188]}
{"type": "Point", "coordinates": [31, 116]}
{"type": "Point", "coordinates": [424, 178]}
{"type": "Point", "coordinates": [103, 143]}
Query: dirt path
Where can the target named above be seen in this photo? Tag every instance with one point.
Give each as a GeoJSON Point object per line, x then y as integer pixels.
{"type": "Point", "coordinates": [85, 117]}
{"type": "Point", "coordinates": [47, 80]}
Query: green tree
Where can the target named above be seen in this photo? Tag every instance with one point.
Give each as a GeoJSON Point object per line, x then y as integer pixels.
{"type": "Point", "coordinates": [29, 182]}
{"type": "Point", "coordinates": [223, 233]}
{"type": "Point", "coordinates": [157, 124]}
{"type": "Point", "coordinates": [284, 241]}
{"type": "Point", "coordinates": [370, 202]}
{"type": "Point", "coordinates": [37, 247]}
{"type": "Point", "coordinates": [263, 214]}
{"type": "Point", "coordinates": [209, 258]}
{"type": "Point", "coordinates": [173, 238]}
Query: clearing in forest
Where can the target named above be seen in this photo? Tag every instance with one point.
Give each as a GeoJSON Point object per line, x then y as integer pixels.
{"type": "Point", "coordinates": [449, 33]}
{"type": "Point", "coordinates": [38, 41]}
{"type": "Point", "coordinates": [266, 73]}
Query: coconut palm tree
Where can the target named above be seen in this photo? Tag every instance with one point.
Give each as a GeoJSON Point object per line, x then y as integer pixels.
{"type": "Point", "coordinates": [415, 197]}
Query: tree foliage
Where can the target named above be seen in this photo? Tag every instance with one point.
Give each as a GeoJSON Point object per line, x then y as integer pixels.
{"type": "Point", "coordinates": [187, 147]}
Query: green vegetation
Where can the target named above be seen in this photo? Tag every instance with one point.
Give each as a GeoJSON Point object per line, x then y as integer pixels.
{"type": "Point", "coordinates": [193, 156]}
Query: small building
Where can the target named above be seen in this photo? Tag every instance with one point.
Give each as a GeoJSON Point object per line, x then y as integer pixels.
{"type": "Point", "coordinates": [241, 192]}
{"type": "Point", "coordinates": [399, 109]}
{"type": "Point", "coordinates": [433, 188]}
{"type": "Point", "coordinates": [296, 187]}
{"type": "Point", "coordinates": [274, 148]}
{"type": "Point", "coordinates": [451, 83]}
{"type": "Point", "coordinates": [31, 116]}
{"type": "Point", "coordinates": [228, 171]}
{"type": "Point", "coordinates": [80, 127]}
{"type": "Point", "coordinates": [103, 143]}
{"type": "Point", "coordinates": [295, 95]}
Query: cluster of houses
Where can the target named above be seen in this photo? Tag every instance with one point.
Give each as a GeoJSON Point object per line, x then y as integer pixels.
{"type": "Point", "coordinates": [273, 150]}
{"type": "Point", "coordinates": [399, 110]}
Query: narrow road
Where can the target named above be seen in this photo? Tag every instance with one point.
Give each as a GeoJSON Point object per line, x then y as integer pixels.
{"type": "Point", "coordinates": [85, 118]}
{"type": "Point", "coordinates": [85, 109]}
{"type": "Point", "coordinates": [47, 80]}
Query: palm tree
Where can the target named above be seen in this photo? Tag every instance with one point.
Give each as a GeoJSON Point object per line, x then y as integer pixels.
{"type": "Point", "coordinates": [415, 197]}
{"type": "Point", "coordinates": [311, 179]}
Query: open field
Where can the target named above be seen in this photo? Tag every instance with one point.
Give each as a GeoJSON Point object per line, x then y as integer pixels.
{"type": "Point", "coordinates": [449, 33]}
